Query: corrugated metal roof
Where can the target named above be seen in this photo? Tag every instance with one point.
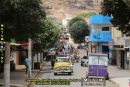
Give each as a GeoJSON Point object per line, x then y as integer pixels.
{"type": "Point", "coordinates": [100, 19]}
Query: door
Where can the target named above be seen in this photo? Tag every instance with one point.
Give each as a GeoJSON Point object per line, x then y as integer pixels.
{"type": "Point", "coordinates": [122, 65]}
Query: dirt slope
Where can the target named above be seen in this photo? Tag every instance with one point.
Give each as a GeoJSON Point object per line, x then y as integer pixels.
{"type": "Point", "coordinates": [60, 9]}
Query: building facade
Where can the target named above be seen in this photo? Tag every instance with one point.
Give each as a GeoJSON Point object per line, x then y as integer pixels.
{"type": "Point", "coordinates": [121, 54]}
{"type": "Point", "coordinates": [100, 33]}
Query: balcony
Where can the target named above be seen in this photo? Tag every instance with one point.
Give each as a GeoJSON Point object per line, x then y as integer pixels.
{"type": "Point", "coordinates": [125, 41]}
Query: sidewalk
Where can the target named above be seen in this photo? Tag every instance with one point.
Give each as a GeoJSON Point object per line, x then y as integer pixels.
{"type": "Point", "coordinates": [121, 82]}
{"type": "Point", "coordinates": [119, 77]}
{"type": "Point", "coordinates": [18, 77]}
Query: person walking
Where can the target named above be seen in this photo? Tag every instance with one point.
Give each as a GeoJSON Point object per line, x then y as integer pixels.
{"type": "Point", "coordinates": [77, 57]}
{"type": "Point", "coordinates": [52, 63]}
{"type": "Point", "coordinates": [27, 64]}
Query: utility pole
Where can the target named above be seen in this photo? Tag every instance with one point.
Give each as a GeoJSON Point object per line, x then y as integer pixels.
{"type": "Point", "coordinates": [129, 64]}
{"type": "Point", "coordinates": [87, 41]}
{"type": "Point", "coordinates": [7, 65]}
{"type": "Point", "coordinates": [30, 57]}
{"type": "Point", "coordinates": [128, 58]}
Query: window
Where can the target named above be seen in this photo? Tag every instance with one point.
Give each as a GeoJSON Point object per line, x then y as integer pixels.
{"type": "Point", "coordinates": [105, 28]}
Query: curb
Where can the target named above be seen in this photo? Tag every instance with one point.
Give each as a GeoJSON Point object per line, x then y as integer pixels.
{"type": "Point", "coordinates": [13, 85]}
{"type": "Point", "coordinates": [30, 84]}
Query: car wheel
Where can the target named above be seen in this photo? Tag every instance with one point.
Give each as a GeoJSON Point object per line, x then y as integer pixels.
{"type": "Point", "coordinates": [72, 71]}
{"type": "Point", "coordinates": [55, 73]}
{"type": "Point", "coordinates": [69, 73]}
{"type": "Point", "coordinates": [107, 77]}
{"type": "Point", "coordinates": [85, 65]}
{"type": "Point", "coordinates": [81, 64]}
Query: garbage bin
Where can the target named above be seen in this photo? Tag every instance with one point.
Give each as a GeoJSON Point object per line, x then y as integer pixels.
{"type": "Point", "coordinates": [1, 68]}
{"type": "Point", "coordinates": [36, 65]}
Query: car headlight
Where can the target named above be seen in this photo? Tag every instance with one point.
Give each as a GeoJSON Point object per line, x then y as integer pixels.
{"type": "Point", "coordinates": [71, 67]}
{"type": "Point", "coordinates": [57, 68]}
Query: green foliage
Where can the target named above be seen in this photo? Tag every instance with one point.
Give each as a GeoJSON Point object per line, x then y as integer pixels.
{"type": "Point", "coordinates": [120, 13]}
{"type": "Point", "coordinates": [48, 36]}
{"type": "Point", "coordinates": [25, 19]}
{"type": "Point", "coordinates": [22, 18]}
{"type": "Point", "coordinates": [86, 15]}
{"type": "Point", "coordinates": [78, 29]}
{"type": "Point", "coordinates": [75, 20]}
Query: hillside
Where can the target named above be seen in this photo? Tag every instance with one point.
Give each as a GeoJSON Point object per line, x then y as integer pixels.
{"type": "Point", "coordinates": [59, 9]}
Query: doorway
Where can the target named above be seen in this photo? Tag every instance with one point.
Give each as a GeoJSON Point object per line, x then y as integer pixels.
{"type": "Point", "coordinates": [122, 64]}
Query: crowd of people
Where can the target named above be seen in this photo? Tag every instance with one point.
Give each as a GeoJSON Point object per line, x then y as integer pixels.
{"type": "Point", "coordinates": [68, 50]}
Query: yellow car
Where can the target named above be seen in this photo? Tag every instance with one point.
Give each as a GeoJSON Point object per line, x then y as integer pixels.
{"type": "Point", "coordinates": [63, 65]}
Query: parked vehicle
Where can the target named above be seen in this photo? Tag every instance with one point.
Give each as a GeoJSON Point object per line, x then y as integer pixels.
{"type": "Point", "coordinates": [86, 63]}
{"type": "Point", "coordinates": [63, 65]}
{"type": "Point", "coordinates": [83, 60]}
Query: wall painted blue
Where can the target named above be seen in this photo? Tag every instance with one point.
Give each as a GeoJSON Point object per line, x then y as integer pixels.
{"type": "Point", "coordinates": [100, 36]}
{"type": "Point", "coordinates": [100, 19]}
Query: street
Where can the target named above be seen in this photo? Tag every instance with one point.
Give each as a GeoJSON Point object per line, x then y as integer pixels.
{"type": "Point", "coordinates": [79, 72]}
{"type": "Point", "coordinates": [65, 43]}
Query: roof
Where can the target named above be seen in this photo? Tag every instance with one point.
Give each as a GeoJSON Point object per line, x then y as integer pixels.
{"type": "Point", "coordinates": [100, 19]}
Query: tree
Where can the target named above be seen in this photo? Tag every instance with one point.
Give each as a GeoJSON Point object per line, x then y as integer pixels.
{"type": "Point", "coordinates": [86, 15]}
{"type": "Point", "coordinates": [25, 19]}
{"type": "Point", "coordinates": [48, 36]}
{"type": "Point", "coordinates": [22, 18]}
{"type": "Point", "coordinates": [78, 29]}
{"type": "Point", "coordinates": [120, 13]}
{"type": "Point", "coordinates": [75, 20]}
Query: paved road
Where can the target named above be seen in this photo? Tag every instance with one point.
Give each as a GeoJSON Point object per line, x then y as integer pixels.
{"type": "Point", "coordinates": [78, 73]}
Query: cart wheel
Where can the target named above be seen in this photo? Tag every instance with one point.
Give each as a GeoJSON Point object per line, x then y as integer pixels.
{"type": "Point", "coordinates": [86, 75]}
{"type": "Point", "coordinates": [107, 77]}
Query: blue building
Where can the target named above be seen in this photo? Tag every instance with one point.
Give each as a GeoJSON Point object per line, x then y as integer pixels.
{"type": "Point", "coordinates": [100, 33]}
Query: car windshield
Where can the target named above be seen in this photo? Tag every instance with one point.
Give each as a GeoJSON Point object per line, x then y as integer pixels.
{"type": "Point", "coordinates": [85, 57]}
{"type": "Point", "coordinates": [86, 61]}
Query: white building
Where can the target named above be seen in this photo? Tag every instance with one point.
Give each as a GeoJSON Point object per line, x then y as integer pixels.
{"type": "Point", "coordinates": [65, 22]}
